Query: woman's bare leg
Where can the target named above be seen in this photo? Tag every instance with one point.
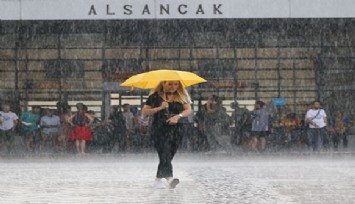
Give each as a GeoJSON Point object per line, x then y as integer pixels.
{"type": "Point", "coordinates": [82, 146]}
{"type": "Point", "coordinates": [253, 142]}
{"type": "Point", "coordinates": [262, 143]}
{"type": "Point", "coordinates": [77, 145]}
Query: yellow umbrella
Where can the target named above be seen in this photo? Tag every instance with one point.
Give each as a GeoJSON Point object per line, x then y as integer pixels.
{"type": "Point", "coordinates": [149, 80]}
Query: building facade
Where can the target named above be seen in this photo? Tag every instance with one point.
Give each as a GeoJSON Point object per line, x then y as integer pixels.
{"type": "Point", "coordinates": [46, 61]}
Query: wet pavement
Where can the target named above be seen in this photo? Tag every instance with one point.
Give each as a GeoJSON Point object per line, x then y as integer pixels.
{"type": "Point", "coordinates": [205, 178]}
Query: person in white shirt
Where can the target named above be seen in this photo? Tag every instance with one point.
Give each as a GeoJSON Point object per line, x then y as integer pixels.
{"type": "Point", "coordinates": [317, 121]}
{"type": "Point", "coordinates": [8, 122]}
{"type": "Point", "coordinates": [50, 125]}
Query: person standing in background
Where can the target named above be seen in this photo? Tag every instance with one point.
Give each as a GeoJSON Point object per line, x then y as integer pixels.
{"type": "Point", "coordinates": [144, 124]}
{"type": "Point", "coordinates": [291, 126]}
{"type": "Point", "coordinates": [242, 120]}
{"type": "Point", "coordinates": [50, 125]}
{"type": "Point", "coordinates": [81, 121]}
{"type": "Point", "coordinates": [30, 126]}
{"type": "Point", "coordinates": [129, 118]}
{"type": "Point", "coordinates": [217, 123]}
{"type": "Point", "coordinates": [117, 122]}
{"type": "Point", "coordinates": [317, 120]}
{"type": "Point", "coordinates": [66, 129]}
{"type": "Point", "coordinates": [260, 126]}
{"type": "Point", "coordinates": [338, 125]}
{"type": "Point", "coordinates": [8, 122]}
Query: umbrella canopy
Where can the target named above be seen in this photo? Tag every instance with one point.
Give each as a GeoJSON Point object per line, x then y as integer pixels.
{"type": "Point", "coordinates": [149, 80]}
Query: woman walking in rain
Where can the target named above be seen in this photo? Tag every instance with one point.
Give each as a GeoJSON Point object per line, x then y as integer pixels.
{"type": "Point", "coordinates": [169, 104]}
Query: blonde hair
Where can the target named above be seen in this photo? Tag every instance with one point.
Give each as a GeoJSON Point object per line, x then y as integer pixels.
{"type": "Point", "coordinates": [182, 95]}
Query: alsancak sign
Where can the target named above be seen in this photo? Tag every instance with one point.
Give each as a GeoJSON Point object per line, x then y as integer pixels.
{"type": "Point", "coordinates": [148, 10]}
{"type": "Point", "coordinates": [173, 9]}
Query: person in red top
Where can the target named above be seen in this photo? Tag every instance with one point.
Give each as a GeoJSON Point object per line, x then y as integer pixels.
{"type": "Point", "coordinates": [81, 121]}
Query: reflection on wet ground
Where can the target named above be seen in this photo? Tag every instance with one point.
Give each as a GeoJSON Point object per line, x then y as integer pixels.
{"type": "Point", "coordinates": [205, 178]}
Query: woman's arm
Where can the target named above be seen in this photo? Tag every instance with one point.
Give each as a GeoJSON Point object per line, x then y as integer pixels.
{"type": "Point", "coordinates": [91, 119]}
{"type": "Point", "coordinates": [187, 110]}
{"type": "Point", "coordinates": [70, 119]}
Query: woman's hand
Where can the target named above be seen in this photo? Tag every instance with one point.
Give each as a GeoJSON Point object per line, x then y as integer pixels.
{"type": "Point", "coordinates": [164, 105]}
{"type": "Point", "coordinates": [173, 120]}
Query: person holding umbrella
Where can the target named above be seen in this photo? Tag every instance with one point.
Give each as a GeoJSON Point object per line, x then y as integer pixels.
{"type": "Point", "coordinates": [169, 104]}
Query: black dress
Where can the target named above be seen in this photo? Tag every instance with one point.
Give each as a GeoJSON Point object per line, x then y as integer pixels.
{"type": "Point", "coordinates": [166, 138]}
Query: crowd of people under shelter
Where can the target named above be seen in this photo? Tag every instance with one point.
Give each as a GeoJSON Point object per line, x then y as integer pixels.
{"type": "Point", "coordinates": [210, 129]}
